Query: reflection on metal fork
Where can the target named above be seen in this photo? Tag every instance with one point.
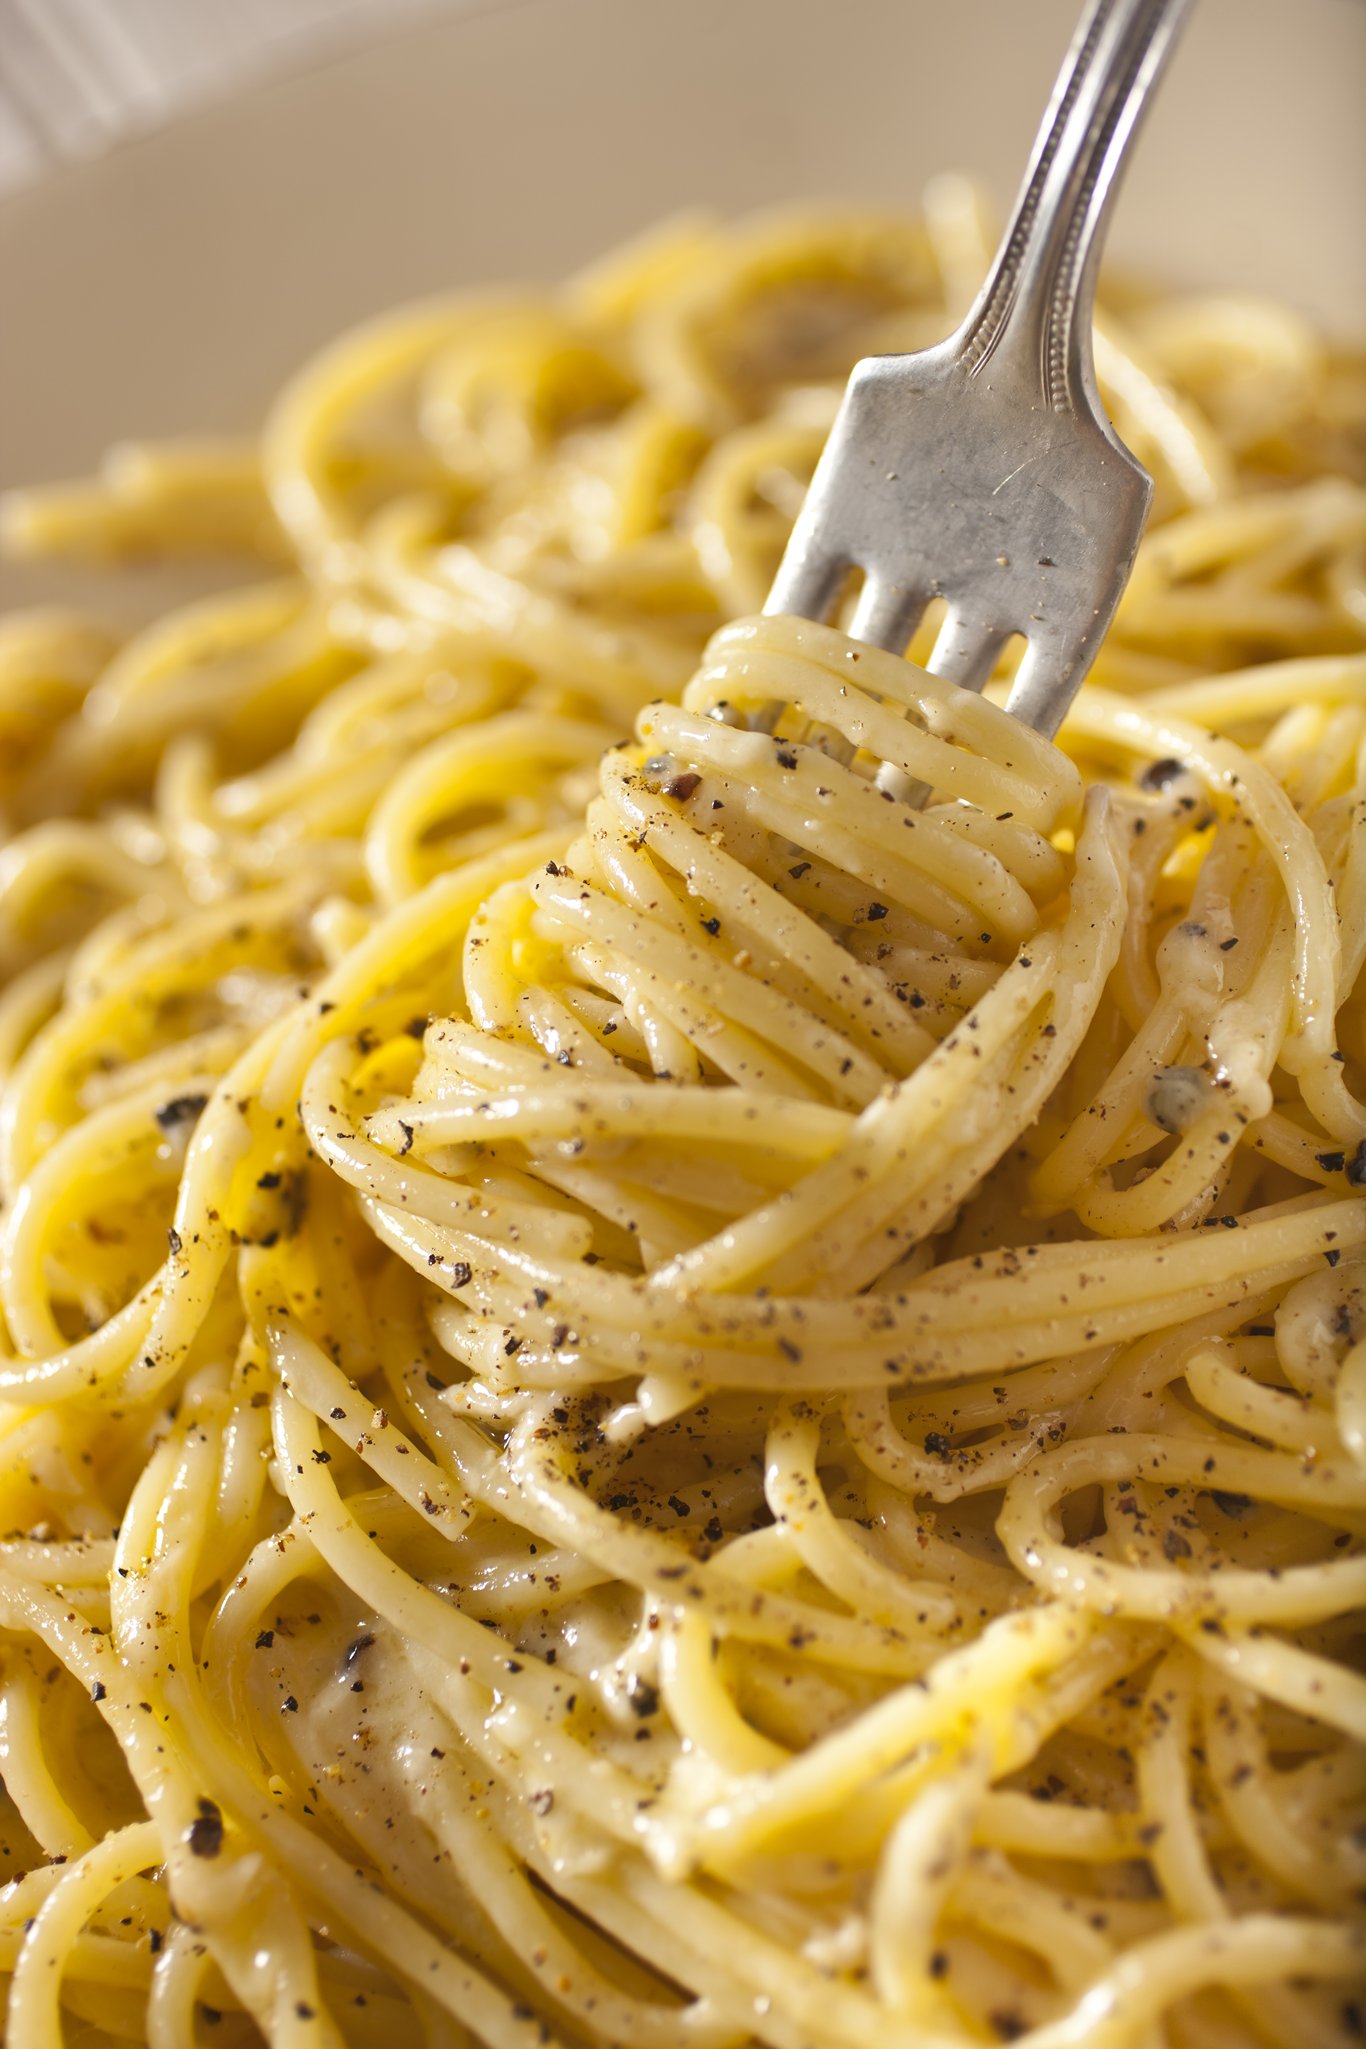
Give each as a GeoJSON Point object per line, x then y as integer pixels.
{"type": "Point", "coordinates": [984, 471]}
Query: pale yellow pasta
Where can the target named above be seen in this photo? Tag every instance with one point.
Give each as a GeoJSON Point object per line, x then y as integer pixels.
{"type": "Point", "coordinates": [649, 1395]}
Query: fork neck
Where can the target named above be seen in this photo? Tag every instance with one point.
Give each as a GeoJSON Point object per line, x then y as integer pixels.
{"type": "Point", "coordinates": [1033, 315]}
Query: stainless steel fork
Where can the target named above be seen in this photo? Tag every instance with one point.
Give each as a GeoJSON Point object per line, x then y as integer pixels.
{"type": "Point", "coordinates": [984, 471]}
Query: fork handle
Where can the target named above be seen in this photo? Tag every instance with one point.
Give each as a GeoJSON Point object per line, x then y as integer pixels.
{"type": "Point", "coordinates": [1035, 309]}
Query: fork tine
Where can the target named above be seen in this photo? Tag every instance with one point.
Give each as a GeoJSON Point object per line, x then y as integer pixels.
{"type": "Point", "coordinates": [887, 613]}
{"type": "Point", "coordinates": [1044, 686]}
{"type": "Point", "coordinates": [808, 582]}
{"type": "Point", "coordinates": [964, 653]}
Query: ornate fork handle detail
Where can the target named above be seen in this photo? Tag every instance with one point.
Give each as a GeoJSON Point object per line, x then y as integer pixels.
{"type": "Point", "coordinates": [1041, 289]}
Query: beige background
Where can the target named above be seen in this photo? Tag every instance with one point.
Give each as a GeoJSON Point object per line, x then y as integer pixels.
{"type": "Point", "coordinates": [78, 75]}
{"type": "Point", "coordinates": [174, 282]}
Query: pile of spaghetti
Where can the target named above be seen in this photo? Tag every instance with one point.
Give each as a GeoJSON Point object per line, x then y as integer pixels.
{"type": "Point", "coordinates": [651, 1396]}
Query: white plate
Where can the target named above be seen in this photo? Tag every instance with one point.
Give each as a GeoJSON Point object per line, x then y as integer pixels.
{"type": "Point", "coordinates": [172, 284]}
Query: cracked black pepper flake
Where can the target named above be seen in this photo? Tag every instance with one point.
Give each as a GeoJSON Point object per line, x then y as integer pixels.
{"type": "Point", "coordinates": [683, 786]}
{"type": "Point", "coordinates": [180, 1110]}
{"type": "Point", "coordinates": [98, 1690]}
{"type": "Point", "coordinates": [205, 1833]}
{"type": "Point", "coordinates": [174, 1240]}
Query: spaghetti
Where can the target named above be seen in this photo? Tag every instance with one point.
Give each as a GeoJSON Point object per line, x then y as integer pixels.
{"type": "Point", "coordinates": [651, 1396]}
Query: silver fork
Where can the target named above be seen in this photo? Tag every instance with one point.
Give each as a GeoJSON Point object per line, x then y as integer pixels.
{"type": "Point", "coordinates": [984, 471]}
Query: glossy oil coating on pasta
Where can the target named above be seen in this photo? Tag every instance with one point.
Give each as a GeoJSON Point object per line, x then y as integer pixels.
{"type": "Point", "coordinates": [649, 1396]}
